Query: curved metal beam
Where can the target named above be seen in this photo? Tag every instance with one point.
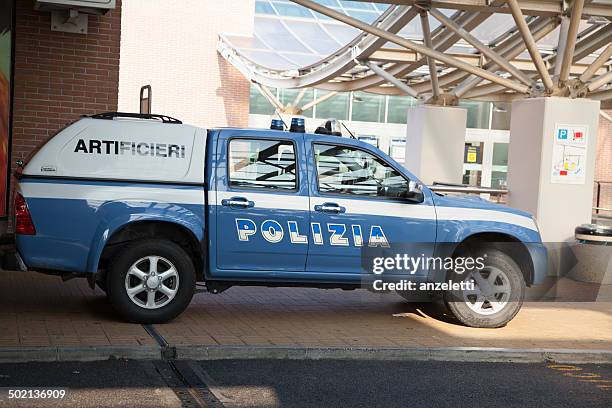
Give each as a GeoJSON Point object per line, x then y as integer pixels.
{"type": "Point", "coordinates": [572, 32]}
{"type": "Point", "coordinates": [589, 42]}
{"type": "Point", "coordinates": [600, 81]}
{"type": "Point", "coordinates": [532, 47]}
{"type": "Point", "coordinates": [433, 70]}
{"type": "Point", "coordinates": [488, 52]}
{"type": "Point", "coordinates": [454, 62]}
{"type": "Point", "coordinates": [598, 63]}
{"type": "Point", "coordinates": [391, 79]}
{"type": "Point", "coordinates": [510, 49]}
{"type": "Point", "coordinates": [393, 20]}
{"type": "Point", "coordinates": [548, 8]}
{"type": "Point", "coordinates": [443, 40]}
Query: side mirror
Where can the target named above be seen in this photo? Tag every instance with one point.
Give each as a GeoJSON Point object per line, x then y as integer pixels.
{"type": "Point", "coordinates": [415, 192]}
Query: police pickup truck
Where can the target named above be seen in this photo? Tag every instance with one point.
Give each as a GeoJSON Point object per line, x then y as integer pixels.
{"type": "Point", "coordinates": [145, 206]}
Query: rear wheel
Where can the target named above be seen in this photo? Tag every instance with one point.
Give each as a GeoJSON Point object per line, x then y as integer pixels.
{"type": "Point", "coordinates": [151, 281]}
{"type": "Point", "coordinates": [496, 296]}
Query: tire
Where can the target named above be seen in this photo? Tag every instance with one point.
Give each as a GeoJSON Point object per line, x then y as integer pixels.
{"type": "Point", "coordinates": [503, 297]}
{"type": "Point", "coordinates": [156, 268]}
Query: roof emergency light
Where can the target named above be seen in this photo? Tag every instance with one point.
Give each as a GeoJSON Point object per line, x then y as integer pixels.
{"type": "Point", "coordinates": [298, 125]}
{"type": "Point", "coordinates": [277, 124]}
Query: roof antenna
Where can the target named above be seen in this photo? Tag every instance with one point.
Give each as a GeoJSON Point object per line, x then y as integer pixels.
{"type": "Point", "coordinates": [285, 127]}
{"type": "Point", "coordinates": [348, 130]}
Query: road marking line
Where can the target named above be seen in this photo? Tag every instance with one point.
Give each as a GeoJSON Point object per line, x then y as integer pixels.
{"type": "Point", "coordinates": [588, 377]}
{"type": "Point", "coordinates": [564, 367]}
{"type": "Point", "coordinates": [582, 375]}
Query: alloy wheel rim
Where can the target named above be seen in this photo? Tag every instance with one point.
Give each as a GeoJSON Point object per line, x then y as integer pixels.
{"type": "Point", "coordinates": [152, 282]}
{"type": "Point", "coordinates": [491, 291]}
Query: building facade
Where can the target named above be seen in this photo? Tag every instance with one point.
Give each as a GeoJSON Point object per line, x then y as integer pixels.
{"type": "Point", "coordinates": [59, 76]}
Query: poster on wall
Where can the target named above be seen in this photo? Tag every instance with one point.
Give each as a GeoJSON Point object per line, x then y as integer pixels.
{"type": "Point", "coordinates": [569, 154]}
{"type": "Point", "coordinates": [6, 21]}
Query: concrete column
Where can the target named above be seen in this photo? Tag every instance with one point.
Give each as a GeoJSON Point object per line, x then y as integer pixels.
{"type": "Point", "coordinates": [435, 140]}
{"type": "Point", "coordinates": [551, 162]}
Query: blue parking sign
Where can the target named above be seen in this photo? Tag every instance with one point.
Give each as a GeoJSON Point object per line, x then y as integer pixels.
{"type": "Point", "coordinates": [562, 135]}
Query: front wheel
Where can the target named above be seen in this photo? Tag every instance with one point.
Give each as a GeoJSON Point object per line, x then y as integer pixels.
{"type": "Point", "coordinates": [497, 294]}
{"type": "Point", "coordinates": [151, 281]}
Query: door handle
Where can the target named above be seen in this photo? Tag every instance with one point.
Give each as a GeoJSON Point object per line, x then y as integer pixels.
{"type": "Point", "coordinates": [237, 202]}
{"type": "Point", "coordinates": [330, 208]}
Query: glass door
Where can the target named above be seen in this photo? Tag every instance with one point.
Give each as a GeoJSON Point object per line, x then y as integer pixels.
{"type": "Point", "coordinates": [472, 163]}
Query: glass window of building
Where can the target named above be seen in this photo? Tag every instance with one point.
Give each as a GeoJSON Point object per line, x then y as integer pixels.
{"type": "Point", "coordinates": [356, 5]}
{"type": "Point", "coordinates": [258, 104]}
{"type": "Point", "coordinates": [287, 96]}
{"type": "Point", "coordinates": [472, 163]}
{"type": "Point", "coordinates": [263, 7]}
{"type": "Point", "coordinates": [500, 154]}
{"type": "Point", "coordinates": [500, 118]}
{"type": "Point", "coordinates": [291, 10]}
{"type": "Point", "coordinates": [499, 173]}
{"type": "Point", "coordinates": [472, 177]}
{"type": "Point", "coordinates": [368, 107]}
{"type": "Point", "coordinates": [329, 3]}
{"type": "Point", "coordinates": [366, 17]}
{"type": "Point", "coordinates": [336, 107]}
{"type": "Point", "coordinates": [398, 108]}
{"type": "Point", "coordinates": [478, 114]}
{"type": "Point", "coordinates": [499, 179]}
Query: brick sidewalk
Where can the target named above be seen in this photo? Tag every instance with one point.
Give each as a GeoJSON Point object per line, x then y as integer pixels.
{"type": "Point", "coordinates": [39, 310]}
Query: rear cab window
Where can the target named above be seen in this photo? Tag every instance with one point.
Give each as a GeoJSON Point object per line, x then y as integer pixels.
{"type": "Point", "coordinates": [262, 164]}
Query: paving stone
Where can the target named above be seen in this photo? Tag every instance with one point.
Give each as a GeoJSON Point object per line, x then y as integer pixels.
{"type": "Point", "coordinates": [40, 310]}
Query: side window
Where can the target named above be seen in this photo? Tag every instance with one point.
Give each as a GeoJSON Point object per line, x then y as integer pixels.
{"type": "Point", "coordinates": [351, 171]}
{"type": "Point", "coordinates": [262, 164]}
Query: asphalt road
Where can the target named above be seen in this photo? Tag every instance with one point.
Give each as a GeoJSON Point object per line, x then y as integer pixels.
{"type": "Point", "coordinates": [276, 383]}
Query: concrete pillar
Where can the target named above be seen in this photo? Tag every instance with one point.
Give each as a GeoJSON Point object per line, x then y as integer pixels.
{"type": "Point", "coordinates": [435, 140]}
{"type": "Point", "coordinates": [551, 162]}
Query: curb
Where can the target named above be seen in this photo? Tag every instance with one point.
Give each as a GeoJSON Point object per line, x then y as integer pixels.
{"type": "Point", "coordinates": [456, 354]}
{"type": "Point", "coordinates": [81, 353]}
{"type": "Point", "coordinates": [459, 354]}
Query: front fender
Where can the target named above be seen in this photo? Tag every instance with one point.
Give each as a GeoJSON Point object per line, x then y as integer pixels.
{"type": "Point", "coordinates": [459, 230]}
{"type": "Point", "coordinates": [453, 233]}
{"type": "Point", "coordinates": [116, 215]}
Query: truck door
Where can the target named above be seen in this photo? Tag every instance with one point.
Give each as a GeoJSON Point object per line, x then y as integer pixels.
{"type": "Point", "coordinates": [357, 202]}
{"type": "Point", "coordinates": [261, 204]}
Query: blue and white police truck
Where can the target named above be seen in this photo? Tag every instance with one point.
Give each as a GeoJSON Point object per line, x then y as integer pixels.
{"type": "Point", "coordinates": [146, 207]}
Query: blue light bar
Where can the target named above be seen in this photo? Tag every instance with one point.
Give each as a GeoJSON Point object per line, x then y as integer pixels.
{"type": "Point", "coordinates": [277, 124]}
{"type": "Point", "coordinates": [298, 125]}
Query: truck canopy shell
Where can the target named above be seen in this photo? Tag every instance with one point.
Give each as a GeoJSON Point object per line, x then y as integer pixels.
{"type": "Point", "coordinates": [123, 149]}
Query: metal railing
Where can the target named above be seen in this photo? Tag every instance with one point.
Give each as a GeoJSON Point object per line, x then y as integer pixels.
{"type": "Point", "coordinates": [467, 189]}
{"type": "Point", "coordinates": [441, 187]}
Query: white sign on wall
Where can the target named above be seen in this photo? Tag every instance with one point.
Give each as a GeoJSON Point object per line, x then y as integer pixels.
{"type": "Point", "coordinates": [569, 154]}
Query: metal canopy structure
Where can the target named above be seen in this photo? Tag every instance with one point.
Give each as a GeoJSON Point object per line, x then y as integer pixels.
{"type": "Point", "coordinates": [437, 51]}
